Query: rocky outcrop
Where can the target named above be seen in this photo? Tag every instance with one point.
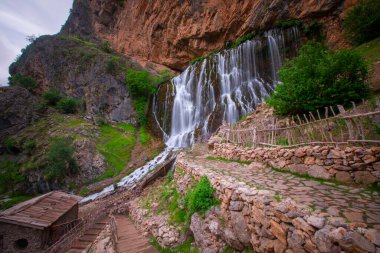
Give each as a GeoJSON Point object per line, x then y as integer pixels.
{"type": "Point", "coordinates": [90, 162]}
{"type": "Point", "coordinates": [350, 165]}
{"type": "Point", "coordinates": [79, 69]}
{"type": "Point", "coordinates": [173, 32]}
{"type": "Point", "coordinates": [19, 108]}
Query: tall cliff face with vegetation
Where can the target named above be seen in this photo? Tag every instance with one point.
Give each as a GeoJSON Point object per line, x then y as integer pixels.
{"type": "Point", "coordinates": [172, 33]}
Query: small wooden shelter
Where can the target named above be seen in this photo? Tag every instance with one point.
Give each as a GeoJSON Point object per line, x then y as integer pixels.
{"type": "Point", "coordinates": [33, 225]}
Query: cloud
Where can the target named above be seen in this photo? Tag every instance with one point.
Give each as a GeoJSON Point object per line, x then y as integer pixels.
{"type": "Point", "coordinates": [20, 18]}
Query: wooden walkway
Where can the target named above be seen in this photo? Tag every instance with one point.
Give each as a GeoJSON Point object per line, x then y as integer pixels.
{"type": "Point", "coordinates": [89, 236]}
{"type": "Point", "coordinates": [129, 240]}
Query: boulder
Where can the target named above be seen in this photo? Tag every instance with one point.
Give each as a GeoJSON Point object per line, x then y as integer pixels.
{"type": "Point", "coordinates": [364, 177]}
{"type": "Point", "coordinates": [343, 176]}
{"type": "Point", "coordinates": [319, 172]}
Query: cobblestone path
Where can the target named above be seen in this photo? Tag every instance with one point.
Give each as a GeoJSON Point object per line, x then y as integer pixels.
{"type": "Point", "coordinates": [355, 205]}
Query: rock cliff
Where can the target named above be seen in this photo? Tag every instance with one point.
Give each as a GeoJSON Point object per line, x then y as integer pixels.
{"type": "Point", "coordinates": [172, 33]}
{"type": "Point", "coordinates": [79, 69]}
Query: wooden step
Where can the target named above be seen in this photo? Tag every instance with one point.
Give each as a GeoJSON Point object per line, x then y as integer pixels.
{"type": "Point", "coordinates": [129, 239]}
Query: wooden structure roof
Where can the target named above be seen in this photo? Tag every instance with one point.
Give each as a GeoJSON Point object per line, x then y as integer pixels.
{"type": "Point", "coordinates": [40, 212]}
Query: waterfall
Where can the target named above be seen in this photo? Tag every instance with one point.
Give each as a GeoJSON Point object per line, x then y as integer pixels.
{"type": "Point", "coordinates": [222, 88]}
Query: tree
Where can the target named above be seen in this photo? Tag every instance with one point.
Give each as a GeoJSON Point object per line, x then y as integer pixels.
{"type": "Point", "coordinates": [9, 175]}
{"type": "Point", "coordinates": [317, 78]}
{"type": "Point", "coordinates": [60, 160]}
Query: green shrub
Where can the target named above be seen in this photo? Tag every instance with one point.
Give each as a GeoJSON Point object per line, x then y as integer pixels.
{"type": "Point", "coordinates": [9, 175]}
{"type": "Point", "coordinates": [23, 81]}
{"type": "Point", "coordinates": [288, 23]}
{"type": "Point", "coordinates": [29, 146]}
{"type": "Point", "coordinates": [140, 83]}
{"type": "Point", "coordinates": [243, 39]}
{"type": "Point", "coordinates": [140, 108]}
{"type": "Point", "coordinates": [15, 200]}
{"type": "Point", "coordinates": [198, 59]}
{"type": "Point", "coordinates": [363, 21]}
{"type": "Point", "coordinates": [106, 47]}
{"type": "Point", "coordinates": [11, 144]}
{"type": "Point", "coordinates": [200, 198]}
{"type": "Point", "coordinates": [319, 78]}
{"type": "Point", "coordinates": [113, 65]}
{"type": "Point", "coordinates": [51, 97]}
{"type": "Point", "coordinates": [67, 105]}
{"type": "Point", "coordinates": [60, 160]}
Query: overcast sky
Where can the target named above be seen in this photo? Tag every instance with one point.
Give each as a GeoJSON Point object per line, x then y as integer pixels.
{"type": "Point", "coordinates": [20, 18]}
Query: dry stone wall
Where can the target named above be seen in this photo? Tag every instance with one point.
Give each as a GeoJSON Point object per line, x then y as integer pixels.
{"type": "Point", "coordinates": [253, 218]}
{"type": "Point", "coordinates": [351, 165]}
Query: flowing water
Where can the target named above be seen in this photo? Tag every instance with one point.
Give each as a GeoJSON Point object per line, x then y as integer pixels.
{"type": "Point", "coordinates": [134, 177]}
{"type": "Point", "coordinates": [222, 88]}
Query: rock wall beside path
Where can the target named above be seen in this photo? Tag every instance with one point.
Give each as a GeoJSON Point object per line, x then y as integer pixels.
{"type": "Point", "coordinates": [350, 165]}
{"type": "Point", "coordinates": [253, 218]}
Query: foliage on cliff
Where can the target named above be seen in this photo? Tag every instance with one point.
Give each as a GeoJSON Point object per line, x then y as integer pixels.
{"type": "Point", "coordinates": [363, 21]}
{"type": "Point", "coordinates": [142, 85]}
{"type": "Point", "coordinates": [319, 77]}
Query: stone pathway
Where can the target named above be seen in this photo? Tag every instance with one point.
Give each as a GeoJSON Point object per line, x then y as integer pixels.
{"type": "Point", "coordinates": [353, 204]}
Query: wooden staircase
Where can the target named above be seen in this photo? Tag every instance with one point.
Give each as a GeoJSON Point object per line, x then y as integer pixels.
{"type": "Point", "coordinates": [129, 240]}
{"type": "Point", "coordinates": [89, 236]}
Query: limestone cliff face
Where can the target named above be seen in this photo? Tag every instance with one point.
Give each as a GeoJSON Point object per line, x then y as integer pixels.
{"type": "Point", "coordinates": [173, 32]}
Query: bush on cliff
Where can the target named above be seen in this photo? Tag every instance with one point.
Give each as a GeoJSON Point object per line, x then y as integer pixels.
{"type": "Point", "coordinates": [362, 22]}
{"type": "Point", "coordinates": [23, 81]}
{"type": "Point", "coordinates": [51, 97]}
{"type": "Point", "coordinates": [60, 159]}
{"type": "Point", "coordinates": [9, 175]}
{"type": "Point", "coordinates": [142, 85]}
{"type": "Point", "coordinates": [67, 105]}
{"type": "Point", "coordinates": [318, 78]}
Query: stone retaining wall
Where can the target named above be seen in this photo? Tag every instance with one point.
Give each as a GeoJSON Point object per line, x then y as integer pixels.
{"type": "Point", "coordinates": [348, 165]}
{"type": "Point", "coordinates": [253, 218]}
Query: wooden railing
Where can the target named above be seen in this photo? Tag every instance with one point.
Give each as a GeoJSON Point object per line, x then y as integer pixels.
{"type": "Point", "coordinates": [313, 129]}
{"type": "Point", "coordinates": [116, 202]}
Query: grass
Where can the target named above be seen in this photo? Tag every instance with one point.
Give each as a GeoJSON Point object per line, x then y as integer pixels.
{"type": "Point", "coordinates": [370, 50]}
{"type": "Point", "coordinates": [15, 200]}
{"type": "Point", "coordinates": [144, 136]}
{"type": "Point", "coordinates": [222, 159]}
{"type": "Point", "coordinates": [73, 122]}
{"type": "Point", "coordinates": [375, 187]}
{"type": "Point", "coordinates": [185, 247]}
{"type": "Point", "coordinates": [115, 143]}
{"type": "Point", "coordinates": [84, 192]}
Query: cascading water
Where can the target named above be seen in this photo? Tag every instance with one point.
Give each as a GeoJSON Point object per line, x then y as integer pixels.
{"type": "Point", "coordinates": [222, 88]}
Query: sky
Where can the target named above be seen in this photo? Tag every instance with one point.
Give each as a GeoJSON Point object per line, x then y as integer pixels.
{"type": "Point", "coordinates": [22, 18]}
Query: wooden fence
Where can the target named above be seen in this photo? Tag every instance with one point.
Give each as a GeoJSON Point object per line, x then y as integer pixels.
{"type": "Point", "coordinates": [316, 128]}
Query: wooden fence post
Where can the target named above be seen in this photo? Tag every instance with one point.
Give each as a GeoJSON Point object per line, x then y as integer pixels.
{"type": "Point", "coordinates": [351, 130]}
